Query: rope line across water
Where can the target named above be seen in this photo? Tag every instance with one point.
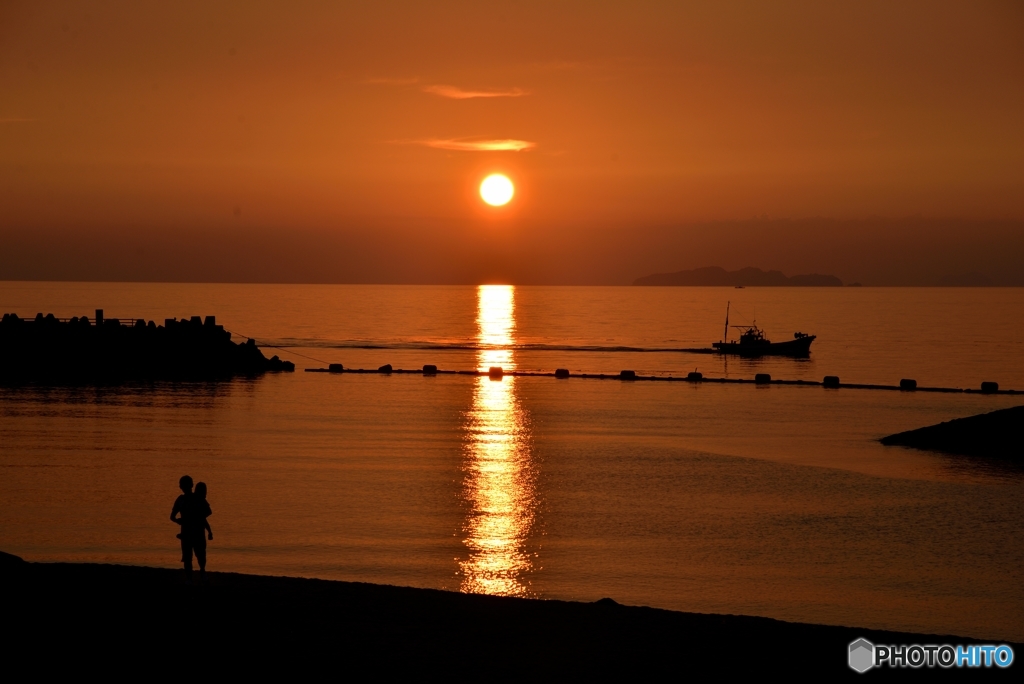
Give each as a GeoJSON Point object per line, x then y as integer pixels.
{"type": "Point", "coordinates": [274, 346]}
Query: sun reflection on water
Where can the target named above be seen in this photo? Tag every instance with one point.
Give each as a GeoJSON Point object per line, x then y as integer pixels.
{"type": "Point", "coordinates": [498, 480]}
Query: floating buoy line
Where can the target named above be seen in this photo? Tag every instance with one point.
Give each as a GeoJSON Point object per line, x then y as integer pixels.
{"type": "Point", "coordinates": [497, 373]}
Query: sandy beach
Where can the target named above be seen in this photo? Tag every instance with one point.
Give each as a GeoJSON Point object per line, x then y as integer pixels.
{"type": "Point", "coordinates": [77, 616]}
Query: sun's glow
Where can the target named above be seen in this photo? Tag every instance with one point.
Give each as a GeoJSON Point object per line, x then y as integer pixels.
{"type": "Point", "coordinates": [497, 190]}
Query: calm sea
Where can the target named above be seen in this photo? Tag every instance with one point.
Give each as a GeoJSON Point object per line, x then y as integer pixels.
{"type": "Point", "coordinates": [774, 501]}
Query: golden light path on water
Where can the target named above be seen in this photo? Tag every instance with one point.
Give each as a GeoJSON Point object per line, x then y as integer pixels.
{"type": "Point", "coordinates": [498, 477]}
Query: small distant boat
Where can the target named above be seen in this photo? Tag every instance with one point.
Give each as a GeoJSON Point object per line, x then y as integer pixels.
{"type": "Point", "coordinates": [752, 342]}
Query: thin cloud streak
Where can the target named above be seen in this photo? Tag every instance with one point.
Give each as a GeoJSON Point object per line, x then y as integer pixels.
{"type": "Point", "coordinates": [456, 93]}
{"type": "Point", "coordinates": [500, 145]}
{"type": "Point", "coordinates": [506, 145]}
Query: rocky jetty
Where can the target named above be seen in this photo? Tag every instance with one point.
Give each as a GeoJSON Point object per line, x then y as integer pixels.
{"type": "Point", "coordinates": [991, 435]}
{"type": "Point", "coordinates": [78, 349]}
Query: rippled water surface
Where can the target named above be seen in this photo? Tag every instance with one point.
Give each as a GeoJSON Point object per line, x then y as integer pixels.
{"type": "Point", "coordinates": [772, 501]}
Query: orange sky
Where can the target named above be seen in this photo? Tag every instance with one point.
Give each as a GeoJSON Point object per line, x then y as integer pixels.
{"type": "Point", "coordinates": [155, 119]}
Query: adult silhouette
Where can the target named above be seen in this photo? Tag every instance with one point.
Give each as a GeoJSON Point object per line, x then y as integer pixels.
{"type": "Point", "coordinates": [191, 511]}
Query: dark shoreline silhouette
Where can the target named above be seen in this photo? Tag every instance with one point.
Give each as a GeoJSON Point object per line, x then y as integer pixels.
{"type": "Point", "coordinates": [259, 621]}
{"type": "Point", "coordinates": [745, 277]}
{"type": "Point", "coordinates": [993, 435]}
{"type": "Point", "coordinates": [104, 350]}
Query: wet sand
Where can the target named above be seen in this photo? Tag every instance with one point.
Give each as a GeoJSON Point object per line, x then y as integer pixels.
{"type": "Point", "coordinates": [83, 616]}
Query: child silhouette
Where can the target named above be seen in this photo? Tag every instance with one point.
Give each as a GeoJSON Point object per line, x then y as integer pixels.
{"type": "Point", "coordinates": [202, 512]}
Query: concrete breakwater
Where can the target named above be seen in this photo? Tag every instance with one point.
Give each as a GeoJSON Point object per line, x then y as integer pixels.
{"type": "Point", "coordinates": [829, 382]}
{"type": "Point", "coordinates": [46, 348]}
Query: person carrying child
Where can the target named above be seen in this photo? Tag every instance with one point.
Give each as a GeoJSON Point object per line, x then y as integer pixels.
{"type": "Point", "coordinates": [191, 511]}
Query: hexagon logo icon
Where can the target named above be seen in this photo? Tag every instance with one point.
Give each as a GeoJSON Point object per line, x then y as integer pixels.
{"type": "Point", "coordinates": [862, 655]}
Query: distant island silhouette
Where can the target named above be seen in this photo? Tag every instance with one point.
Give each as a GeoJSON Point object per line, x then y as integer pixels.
{"type": "Point", "coordinates": [746, 277]}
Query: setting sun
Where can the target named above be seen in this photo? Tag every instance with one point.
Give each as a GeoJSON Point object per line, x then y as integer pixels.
{"type": "Point", "coordinates": [497, 190]}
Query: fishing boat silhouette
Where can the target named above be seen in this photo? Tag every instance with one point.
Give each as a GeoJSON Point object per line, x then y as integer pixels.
{"type": "Point", "coordinates": [753, 342]}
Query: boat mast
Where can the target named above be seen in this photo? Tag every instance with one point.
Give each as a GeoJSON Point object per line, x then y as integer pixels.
{"type": "Point", "coordinates": [727, 321]}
